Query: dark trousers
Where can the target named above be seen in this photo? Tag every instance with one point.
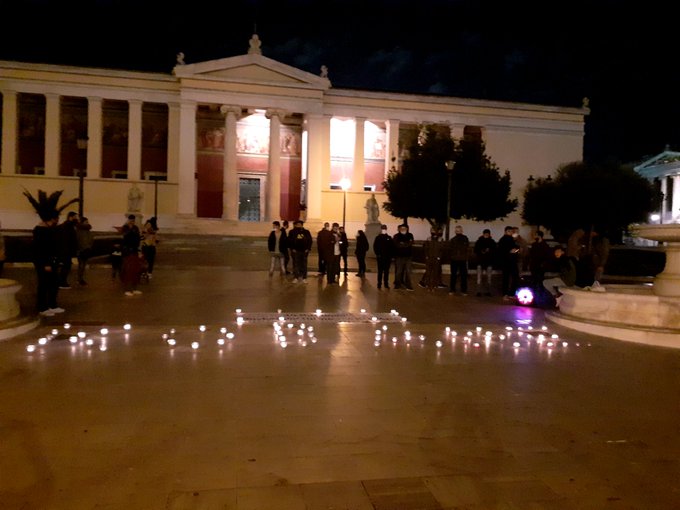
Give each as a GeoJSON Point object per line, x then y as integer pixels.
{"type": "Point", "coordinates": [510, 279]}
{"type": "Point", "coordinates": [65, 271]}
{"type": "Point", "coordinates": [83, 257]}
{"type": "Point", "coordinates": [459, 267]}
{"type": "Point", "coordinates": [48, 287]}
{"type": "Point", "coordinates": [384, 271]}
{"type": "Point", "coordinates": [299, 264]}
{"type": "Point", "coordinates": [343, 256]}
{"type": "Point", "coordinates": [402, 272]}
{"type": "Point", "coordinates": [150, 256]}
{"type": "Point", "coordinates": [332, 263]}
{"type": "Point", "coordinates": [361, 260]}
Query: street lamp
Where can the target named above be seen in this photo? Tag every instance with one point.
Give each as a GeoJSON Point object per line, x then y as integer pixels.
{"type": "Point", "coordinates": [345, 184]}
{"type": "Point", "coordinates": [155, 179]}
{"type": "Point", "coordinates": [449, 171]}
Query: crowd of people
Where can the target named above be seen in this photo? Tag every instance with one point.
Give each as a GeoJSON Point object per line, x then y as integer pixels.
{"type": "Point", "coordinates": [56, 245]}
{"type": "Point", "coordinates": [549, 267]}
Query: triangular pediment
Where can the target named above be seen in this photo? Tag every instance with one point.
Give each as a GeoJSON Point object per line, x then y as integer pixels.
{"type": "Point", "coordinates": [665, 163]}
{"type": "Point", "coordinates": [252, 68]}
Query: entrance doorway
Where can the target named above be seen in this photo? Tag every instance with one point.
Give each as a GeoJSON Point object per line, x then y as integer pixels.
{"type": "Point", "coordinates": [249, 192]}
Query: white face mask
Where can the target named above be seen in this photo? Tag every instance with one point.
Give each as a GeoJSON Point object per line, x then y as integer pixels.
{"type": "Point", "coordinates": [384, 231]}
{"type": "Point", "coordinates": [515, 234]}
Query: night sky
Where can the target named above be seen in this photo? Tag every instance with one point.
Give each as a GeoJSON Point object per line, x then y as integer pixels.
{"type": "Point", "coordinates": [623, 57]}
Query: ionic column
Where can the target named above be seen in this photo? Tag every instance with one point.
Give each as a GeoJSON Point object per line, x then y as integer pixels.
{"type": "Point", "coordinates": [173, 142]}
{"type": "Point", "coordinates": [273, 192]}
{"type": "Point", "coordinates": [186, 189]}
{"type": "Point", "coordinates": [457, 131]}
{"type": "Point", "coordinates": [94, 137]}
{"type": "Point", "coordinates": [52, 135]}
{"type": "Point", "coordinates": [230, 188]}
{"type": "Point", "coordinates": [359, 168]}
{"type": "Point", "coordinates": [314, 126]}
{"type": "Point", "coordinates": [134, 163]}
{"type": "Point", "coordinates": [675, 208]}
{"type": "Point", "coordinates": [664, 201]}
{"type": "Point", "coordinates": [392, 149]}
{"type": "Point", "coordinates": [8, 163]}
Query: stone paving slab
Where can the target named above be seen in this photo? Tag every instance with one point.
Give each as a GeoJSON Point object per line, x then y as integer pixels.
{"type": "Point", "coordinates": [336, 418]}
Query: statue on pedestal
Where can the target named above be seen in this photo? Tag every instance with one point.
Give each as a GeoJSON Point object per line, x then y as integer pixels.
{"type": "Point", "coordinates": [372, 210]}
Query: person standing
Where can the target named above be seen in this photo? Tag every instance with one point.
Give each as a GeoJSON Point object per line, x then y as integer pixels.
{"type": "Point", "coordinates": [132, 257]}
{"type": "Point", "coordinates": [485, 252]}
{"type": "Point", "coordinates": [344, 248]}
{"type": "Point", "coordinates": [383, 246]}
{"type": "Point", "coordinates": [276, 243]}
{"type": "Point", "coordinates": [539, 256]}
{"type": "Point", "coordinates": [85, 243]}
{"type": "Point", "coordinates": [322, 260]}
{"type": "Point", "coordinates": [286, 254]}
{"type": "Point", "coordinates": [360, 251]}
{"type": "Point", "coordinates": [68, 247]}
{"type": "Point", "coordinates": [508, 254]}
{"type": "Point", "coordinates": [433, 251]}
{"type": "Point", "coordinates": [325, 244]}
{"type": "Point", "coordinates": [333, 265]}
{"type": "Point", "coordinates": [459, 250]}
{"type": "Point", "coordinates": [46, 263]}
{"type": "Point", "coordinates": [150, 243]}
{"type": "Point", "coordinates": [299, 243]}
{"type": "Point", "coordinates": [403, 254]}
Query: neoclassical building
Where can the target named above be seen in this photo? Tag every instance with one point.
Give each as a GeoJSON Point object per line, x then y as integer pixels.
{"type": "Point", "coordinates": [226, 146]}
{"type": "Point", "coordinates": [664, 171]}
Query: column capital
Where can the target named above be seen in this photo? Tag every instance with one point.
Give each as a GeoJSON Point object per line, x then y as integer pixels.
{"type": "Point", "coordinates": [236, 110]}
{"type": "Point", "coordinates": [135, 101]}
{"type": "Point", "coordinates": [271, 112]}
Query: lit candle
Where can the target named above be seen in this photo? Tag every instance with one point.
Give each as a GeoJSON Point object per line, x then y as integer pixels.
{"type": "Point", "coordinates": [104, 331]}
{"type": "Point", "coordinates": [30, 348]}
{"type": "Point", "coordinates": [195, 345]}
{"type": "Point", "coordinates": [127, 327]}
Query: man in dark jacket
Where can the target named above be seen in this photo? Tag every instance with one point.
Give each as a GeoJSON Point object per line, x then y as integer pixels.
{"type": "Point", "coordinates": [459, 246]}
{"type": "Point", "coordinates": [325, 244]}
{"type": "Point", "coordinates": [300, 243]}
{"type": "Point", "coordinates": [539, 257]}
{"type": "Point", "coordinates": [68, 247]}
{"type": "Point", "coordinates": [403, 253]}
{"type": "Point", "coordinates": [383, 246]}
{"type": "Point", "coordinates": [508, 255]}
{"type": "Point", "coordinates": [485, 252]}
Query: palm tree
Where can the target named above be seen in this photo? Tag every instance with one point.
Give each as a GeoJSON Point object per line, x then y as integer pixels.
{"type": "Point", "coordinates": [47, 205]}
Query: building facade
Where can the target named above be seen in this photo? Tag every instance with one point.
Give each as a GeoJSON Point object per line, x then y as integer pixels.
{"type": "Point", "coordinates": [228, 145]}
{"type": "Point", "coordinates": [664, 171]}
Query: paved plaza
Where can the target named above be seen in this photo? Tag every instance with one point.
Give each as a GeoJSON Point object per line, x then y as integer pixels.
{"type": "Point", "coordinates": [323, 397]}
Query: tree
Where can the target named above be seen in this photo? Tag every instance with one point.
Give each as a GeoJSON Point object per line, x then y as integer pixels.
{"type": "Point", "coordinates": [47, 205]}
{"type": "Point", "coordinates": [604, 198]}
{"type": "Point", "coordinates": [421, 188]}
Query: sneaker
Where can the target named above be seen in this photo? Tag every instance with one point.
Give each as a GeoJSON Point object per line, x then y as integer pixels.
{"type": "Point", "coordinates": [149, 276]}
{"type": "Point", "coordinates": [304, 280]}
{"type": "Point", "coordinates": [47, 313]}
{"type": "Point", "coordinates": [64, 287]}
{"type": "Point", "coordinates": [421, 284]}
{"type": "Point", "coordinates": [380, 287]}
{"type": "Point", "coordinates": [410, 289]}
{"type": "Point", "coordinates": [463, 293]}
{"type": "Point", "coordinates": [137, 292]}
{"type": "Point", "coordinates": [129, 293]}
{"type": "Point", "coordinates": [295, 280]}
{"type": "Point", "coordinates": [57, 310]}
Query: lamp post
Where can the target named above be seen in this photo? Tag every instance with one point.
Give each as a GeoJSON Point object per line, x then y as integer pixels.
{"type": "Point", "coordinates": [345, 184]}
{"type": "Point", "coordinates": [155, 179]}
{"type": "Point", "coordinates": [449, 171]}
{"type": "Point", "coordinates": [81, 143]}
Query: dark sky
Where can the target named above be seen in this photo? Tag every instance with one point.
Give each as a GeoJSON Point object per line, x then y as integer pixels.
{"type": "Point", "coordinates": [623, 56]}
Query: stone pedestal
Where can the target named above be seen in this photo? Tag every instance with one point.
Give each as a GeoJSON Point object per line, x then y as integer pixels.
{"type": "Point", "coordinates": [666, 283]}
{"type": "Point", "coordinates": [9, 306]}
{"type": "Point", "coordinates": [372, 230]}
